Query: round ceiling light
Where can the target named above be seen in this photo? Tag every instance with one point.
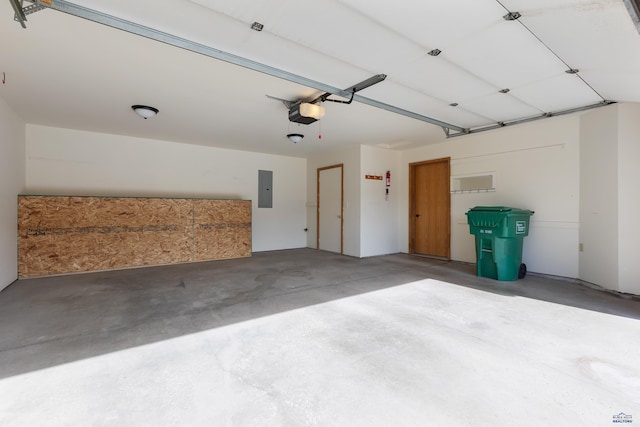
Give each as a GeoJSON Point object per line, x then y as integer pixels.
{"type": "Point", "coordinates": [145, 111]}
{"type": "Point", "coordinates": [295, 137]}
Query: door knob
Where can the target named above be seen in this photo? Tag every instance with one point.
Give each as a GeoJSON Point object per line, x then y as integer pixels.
{"type": "Point", "coordinates": [417, 215]}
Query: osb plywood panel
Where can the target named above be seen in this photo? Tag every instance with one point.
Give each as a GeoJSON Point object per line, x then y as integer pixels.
{"type": "Point", "coordinates": [222, 229]}
{"type": "Point", "coordinates": [63, 234]}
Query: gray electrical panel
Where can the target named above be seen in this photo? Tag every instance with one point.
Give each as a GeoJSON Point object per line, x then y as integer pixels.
{"type": "Point", "coordinates": [265, 189]}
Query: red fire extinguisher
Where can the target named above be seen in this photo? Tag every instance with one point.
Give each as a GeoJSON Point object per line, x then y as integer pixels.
{"type": "Point", "coordinates": [388, 179]}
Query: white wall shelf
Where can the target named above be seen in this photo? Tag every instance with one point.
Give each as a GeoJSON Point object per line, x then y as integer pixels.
{"type": "Point", "coordinates": [481, 182]}
{"type": "Point", "coordinates": [476, 190]}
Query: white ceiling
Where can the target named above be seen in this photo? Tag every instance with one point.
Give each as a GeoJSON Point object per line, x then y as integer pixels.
{"type": "Point", "coordinates": [69, 72]}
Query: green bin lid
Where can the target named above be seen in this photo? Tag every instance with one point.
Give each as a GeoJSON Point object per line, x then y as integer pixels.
{"type": "Point", "coordinates": [491, 209]}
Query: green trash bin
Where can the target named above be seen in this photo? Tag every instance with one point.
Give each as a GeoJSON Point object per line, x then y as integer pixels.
{"type": "Point", "coordinates": [499, 232]}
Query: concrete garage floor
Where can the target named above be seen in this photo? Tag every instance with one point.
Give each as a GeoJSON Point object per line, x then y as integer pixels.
{"type": "Point", "coordinates": [302, 337]}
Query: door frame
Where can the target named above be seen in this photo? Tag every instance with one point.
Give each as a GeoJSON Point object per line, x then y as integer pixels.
{"type": "Point", "coordinates": [412, 202]}
{"type": "Point", "coordinates": [341, 166]}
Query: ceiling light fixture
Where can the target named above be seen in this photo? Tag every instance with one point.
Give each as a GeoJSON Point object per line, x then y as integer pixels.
{"type": "Point", "coordinates": [434, 52]}
{"type": "Point", "coordinates": [453, 104]}
{"type": "Point", "coordinates": [295, 137]}
{"type": "Point", "coordinates": [505, 90]}
{"type": "Point", "coordinates": [145, 111]}
{"type": "Point", "coordinates": [572, 71]}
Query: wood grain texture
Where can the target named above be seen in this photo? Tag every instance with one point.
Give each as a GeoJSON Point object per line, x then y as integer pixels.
{"type": "Point", "coordinates": [222, 229]}
{"type": "Point", "coordinates": [66, 234]}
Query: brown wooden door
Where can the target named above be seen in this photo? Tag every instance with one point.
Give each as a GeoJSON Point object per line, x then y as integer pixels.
{"type": "Point", "coordinates": [430, 208]}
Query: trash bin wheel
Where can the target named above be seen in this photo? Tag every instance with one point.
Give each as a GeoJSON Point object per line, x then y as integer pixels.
{"type": "Point", "coordinates": [523, 271]}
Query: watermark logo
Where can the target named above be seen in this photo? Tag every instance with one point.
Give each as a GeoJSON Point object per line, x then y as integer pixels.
{"type": "Point", "coordinates": [622, 418]}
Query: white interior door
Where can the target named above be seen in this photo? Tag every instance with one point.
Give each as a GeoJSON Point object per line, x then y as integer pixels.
{"type": "Point", "coordinates": [330, 209]}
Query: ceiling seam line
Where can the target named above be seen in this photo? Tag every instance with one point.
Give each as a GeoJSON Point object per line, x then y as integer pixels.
{"type": "Point", "coordinates": [446, 102]}
{"type": "Point", "coordinates": [153, 34]}
{"type": "Point", "coordinates": [461, 102]}
{"type": "Point", "coordinates": [419, 45]}
{"type": "Point", "coordinates": [387, 28]}
{"type": "Point", "coordinates": [281, 37]}
{"type": "Point", "coordinates": [452, 63]}
{"type": "Point", "coordinates": [407, 113]}
{"type": "Point", "coordinates": [569, 67]}
{"type": "Point", "coordinates": [532, 119]}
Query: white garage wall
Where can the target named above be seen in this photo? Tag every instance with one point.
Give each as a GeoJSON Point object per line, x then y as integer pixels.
{"type": "Point", "coordinates": [609, 226]}
{"type": "Point", "coordinates": [12, 180]}
{"type": "Point", "coordinates": [629, 201]}
{"type": "Point", "coordinates": [537, 167]}
{"type": "Point", "coordinates": [599, 197]}
{"type": "Point", "coordinates": [71, 162]}
{"type": "Point", "coordinates": [378, 229]}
